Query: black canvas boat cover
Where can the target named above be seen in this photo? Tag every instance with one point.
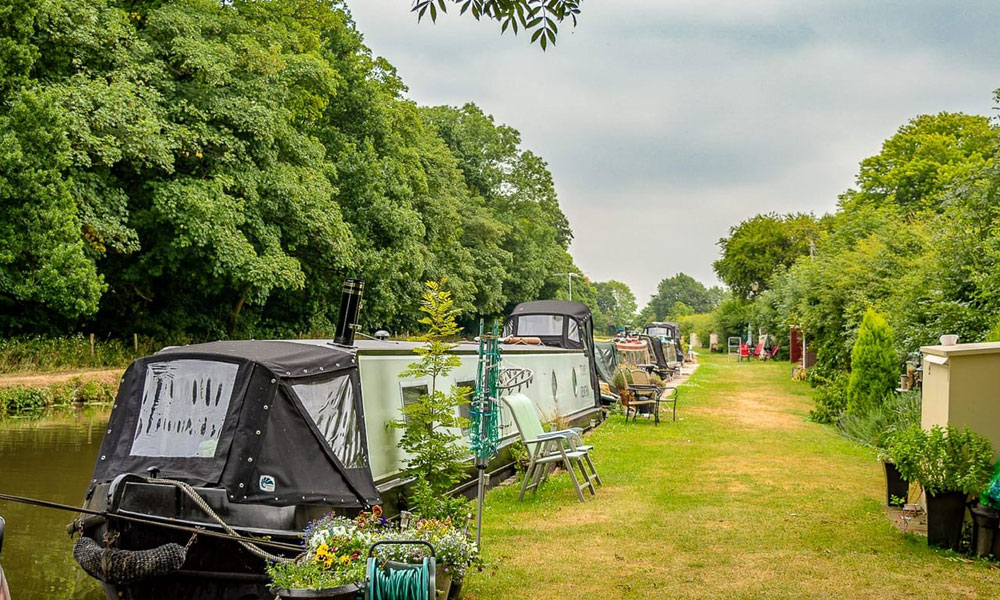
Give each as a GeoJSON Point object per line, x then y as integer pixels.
{"type": "Point", "coordinates": [656, 350]}
{"type": "Point", "coordinates": [278, 423]}
{"type": "Point", "coordinates": [577, 310]}
{"type": "Point", "coordinates": [557, 323]}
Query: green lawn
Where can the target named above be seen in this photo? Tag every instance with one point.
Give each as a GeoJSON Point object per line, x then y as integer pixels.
{"type": "Point", "coordinates": [741, 498]}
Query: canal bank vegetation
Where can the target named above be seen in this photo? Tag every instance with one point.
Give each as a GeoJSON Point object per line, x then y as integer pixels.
{"type": "Point", "coordinates": [42, 354]}
{"type": "Point", "coordinates": [917, 240]}
{"type": "Point", "coordinates": [26, 400]}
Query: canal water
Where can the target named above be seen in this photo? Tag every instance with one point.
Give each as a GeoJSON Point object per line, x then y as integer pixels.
{"type": "Point", "coordinates": [51, 459]}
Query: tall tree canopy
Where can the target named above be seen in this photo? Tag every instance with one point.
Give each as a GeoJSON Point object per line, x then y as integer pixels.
{"type": "Point", "coordinates": [683, 289]}
{"type": "Point", "coordinates": [203, 168]}
{"type": "Point", "coordinates": [758, 246]}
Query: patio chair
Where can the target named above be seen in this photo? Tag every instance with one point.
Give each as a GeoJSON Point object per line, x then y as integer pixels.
{"type": "Point", "coordinates": [550, 448]}
{"type": "Point", "coordinates": [744, 352]}
{"type": "Point", "coordinates": [644, 393]}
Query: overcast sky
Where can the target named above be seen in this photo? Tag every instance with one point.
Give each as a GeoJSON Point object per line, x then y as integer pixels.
{"type": "Point", "coordinates": [664, 122]}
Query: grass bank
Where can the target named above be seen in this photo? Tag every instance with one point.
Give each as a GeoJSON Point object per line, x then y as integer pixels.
{"type": "Point", "coordinates": [41, 354]}
{"type": "Point", "coordinates": [28, 400]}
{"type": "Point", "coordinates": [741, 498]}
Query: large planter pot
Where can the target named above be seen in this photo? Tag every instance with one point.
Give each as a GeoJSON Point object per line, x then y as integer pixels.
{"type": "Point", "coordinates": [985, 522]}
{"type": "Point", "coordinates": [897, 489]}
{"type": "Point", "coordinates": [945, 514]}
{"type": "Point", "coordinates": [456, 588]}
{"type": "Point", "coordinates": [351, 591]}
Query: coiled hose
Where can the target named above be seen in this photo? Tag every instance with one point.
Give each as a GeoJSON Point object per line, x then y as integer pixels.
{"type": "Point", "coordinates": [389, 580]}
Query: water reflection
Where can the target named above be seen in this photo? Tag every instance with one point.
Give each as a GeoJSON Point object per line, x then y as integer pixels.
{"type": "Point", "coordinates": [51, 459]}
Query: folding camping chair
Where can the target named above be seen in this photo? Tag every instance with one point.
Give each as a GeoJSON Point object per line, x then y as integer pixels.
{"type": "Point", "coordinates": [565, 446]}
{"type": "Point", "coordinates": [744, 352]}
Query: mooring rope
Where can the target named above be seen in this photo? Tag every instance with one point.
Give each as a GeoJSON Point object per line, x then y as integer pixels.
{"type": "Point", "coordinates": [237, 537]}
{"type": "Point", "coordinates": [197, 499]}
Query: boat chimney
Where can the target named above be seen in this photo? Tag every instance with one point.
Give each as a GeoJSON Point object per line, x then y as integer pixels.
{"type": "Point", "coordinates": [350, 305]}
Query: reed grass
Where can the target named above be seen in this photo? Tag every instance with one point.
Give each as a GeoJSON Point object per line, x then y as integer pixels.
{"type": "Point", "coordinates": [40, 354]}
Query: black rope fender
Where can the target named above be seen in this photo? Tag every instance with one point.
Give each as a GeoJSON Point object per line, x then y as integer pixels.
{"type": "Point", "coordinates": [128, 566]}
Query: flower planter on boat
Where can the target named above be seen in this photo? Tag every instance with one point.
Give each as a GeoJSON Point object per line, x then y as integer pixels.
{"type": "Point", "coordinates": [351, 591]}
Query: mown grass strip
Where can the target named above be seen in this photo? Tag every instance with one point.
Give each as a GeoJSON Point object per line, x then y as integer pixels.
{"type": "Point", "coordinates": [741, 498]}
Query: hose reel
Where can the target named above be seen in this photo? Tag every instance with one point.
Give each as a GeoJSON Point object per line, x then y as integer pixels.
{"type": "Point", "coordinates": [391, 580]}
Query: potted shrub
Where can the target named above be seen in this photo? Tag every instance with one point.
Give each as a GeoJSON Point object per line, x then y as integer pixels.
{"type": "Point", "coordinates": [333, 565]}
{"type": "Point", "coordinates": [875, 427]}
{"type": "Point", "coordinates": [949, 463]}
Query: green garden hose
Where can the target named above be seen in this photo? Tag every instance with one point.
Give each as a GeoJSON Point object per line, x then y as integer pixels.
{"type": "Point", "coordinates": [389, 580]}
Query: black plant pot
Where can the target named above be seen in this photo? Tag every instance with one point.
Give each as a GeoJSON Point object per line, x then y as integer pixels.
{"type": "Point", "coordinates": [945, 514]}
{"type": "Point", "coordinates": [895, 486]}
{"type": "Point", "coordinates": [351, 591]}
{"type": "Point", "coordinates": [985, 522]}
{"type": "Point", "coordinates": [456, 588]}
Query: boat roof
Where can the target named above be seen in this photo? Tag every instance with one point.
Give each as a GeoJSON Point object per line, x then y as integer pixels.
{"type": "Point", "coordinates": [285, 358]}
{"type": "Point", "coordinates": [461, 347]}
{"type": "Point", "coordinates": [577, 310]}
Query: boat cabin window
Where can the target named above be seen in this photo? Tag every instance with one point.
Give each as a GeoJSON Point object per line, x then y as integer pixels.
{"type": "Point", "coordinates": [574, 331]}
{"type": "Point", "coordinates": [331, 405]}
{"type": "Point", "coordinates": [184, 405]}
{"type": "Point", "coordinates": [658, 331]}
{"type": "Point", "coordinates": [411, 394]}
{"type": "Point", "coordinates": [465, 408]}
{"type": "Point", "coordinates": [540, 325]}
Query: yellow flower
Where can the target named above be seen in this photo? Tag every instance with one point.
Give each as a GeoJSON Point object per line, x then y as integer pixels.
{"type": "Point", "coordinates": [345, 559]}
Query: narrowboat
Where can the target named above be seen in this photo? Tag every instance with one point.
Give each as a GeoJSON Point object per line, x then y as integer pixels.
{"type": "Point", "coordinates": [257, 438]}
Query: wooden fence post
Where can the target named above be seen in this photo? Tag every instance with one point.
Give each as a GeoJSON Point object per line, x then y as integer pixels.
{"type": "Point", "coordinates": [92, 345]}
{"type": "Point", "coordinates": [135, 342]}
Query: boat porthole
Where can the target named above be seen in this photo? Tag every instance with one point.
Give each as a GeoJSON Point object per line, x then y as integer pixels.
{"type": "Point", "coordinates": [555, 386]}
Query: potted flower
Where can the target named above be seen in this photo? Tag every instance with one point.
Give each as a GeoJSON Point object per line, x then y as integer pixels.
{"type": "Point", "coordinates": [333, 564]}
{"type": "Point", "coordinates": [949, 463]}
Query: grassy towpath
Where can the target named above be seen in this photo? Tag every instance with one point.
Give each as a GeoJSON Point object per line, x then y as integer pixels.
{"type": "Point", "coordinates": [741, 498]}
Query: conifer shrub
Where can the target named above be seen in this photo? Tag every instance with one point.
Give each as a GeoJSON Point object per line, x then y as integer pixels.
{"type": "Point", "coordinates": [874, 365]}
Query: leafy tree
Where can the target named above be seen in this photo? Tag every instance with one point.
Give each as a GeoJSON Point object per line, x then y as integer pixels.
{"type": "Point", "coordinates": [615, 306]}
{"type": "Point", "coordinates": [197, 169]}
{"type": "Point", "coordinates": [679, 309]}
{"type": "Point", "coordinates": [684, 289]}
{"type": "Point", "coordinates": [874, 365]}
{"type": "Point", "coordinates": [929, 152]}
{"type": "Point", "coordinates": [758, 246]}
{"type": "Point", "coordinates": [541, 17]}
{"type": "Point", "coordinates": [517, 190]}
{"type": "Point", "coordinates": [44, 264]}
{"type": "Point", "coordinates": [435, 460]}
{"type": "Point", "coordinates": [731, 317]}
